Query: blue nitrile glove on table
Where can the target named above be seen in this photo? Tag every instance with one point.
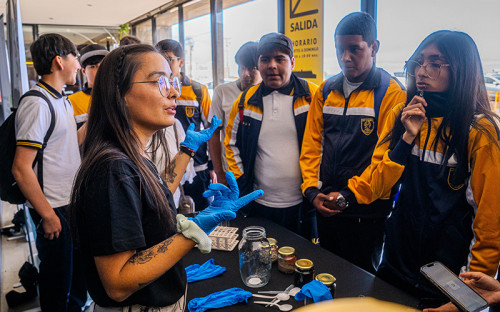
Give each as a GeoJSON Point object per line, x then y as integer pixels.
{"type": "Point", "coordinates": [194, 139]}
{"type": "Point", "coordinates": [219, 299]}
{"type": "Point", "coordinates": [315, 290]}
{"type": "Point", "coordinates": [226, 203]}
{"type": "Point", "coordinates": [196, 272]}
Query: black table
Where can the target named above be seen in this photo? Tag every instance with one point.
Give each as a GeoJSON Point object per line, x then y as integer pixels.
{"type": "Point", "coordinates": [352, 281]}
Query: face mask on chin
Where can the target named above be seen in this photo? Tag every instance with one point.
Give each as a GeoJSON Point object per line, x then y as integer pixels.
{"type": "Point", "coordinates": [437, 103]}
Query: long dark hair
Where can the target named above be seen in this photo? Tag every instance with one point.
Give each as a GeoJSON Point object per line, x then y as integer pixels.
{"type": "Point", "coordinates": [467, 95]}
{"type": "Point", "coordinates": [110, 134]}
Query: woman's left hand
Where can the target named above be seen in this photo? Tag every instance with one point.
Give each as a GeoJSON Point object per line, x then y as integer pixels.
{"type": "Point", "coordinates": [195, 139]}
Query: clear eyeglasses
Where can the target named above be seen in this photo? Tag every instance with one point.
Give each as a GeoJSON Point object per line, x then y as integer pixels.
{"type": "Point", "coordinates": [433, 70]}
{"type": "Point", "coordinates": [165, 85]}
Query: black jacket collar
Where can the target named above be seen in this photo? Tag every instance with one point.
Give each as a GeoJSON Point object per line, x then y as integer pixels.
{"type": "Point", "coordinates": [371, 82]}
{"type": "Point", "coordinates": [294, 85]}
{"type": "Point", "coordinates": [50, 89]}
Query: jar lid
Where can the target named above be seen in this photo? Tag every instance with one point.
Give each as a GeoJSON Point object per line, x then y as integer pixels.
{"type": "Point", "coordinates": [286, 250]}
{"type": "Point", "coordinates": [304, 264]}
{"type": "Point", "coordinates": [326, 278]}
{"type": "Point", "coordinates": [272, 241]}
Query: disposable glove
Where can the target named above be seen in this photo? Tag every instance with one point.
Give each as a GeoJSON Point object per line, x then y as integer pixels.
{"type": "Point", "coordinates": [226, 203]}
{"type": "Point", "coordinates": [209, 269]}
{"type": "Point", "coordinates": [194, 139]}
{"type": "Point", "coordinates": [315, 290]}
{"type": "Point", "coordinates": [219, 299]}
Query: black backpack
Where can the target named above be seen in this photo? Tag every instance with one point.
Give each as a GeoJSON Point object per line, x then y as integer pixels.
{"type": "Point", "coordinates": [9, 190]}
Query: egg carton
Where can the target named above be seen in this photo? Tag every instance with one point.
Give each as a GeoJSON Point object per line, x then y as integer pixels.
{"type": "Point", "coordinates": [224, 238]}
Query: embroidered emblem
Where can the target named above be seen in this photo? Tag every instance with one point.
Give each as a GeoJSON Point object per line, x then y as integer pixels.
{"type": "Point", "coordinates": [367, 125]}
{"type": "Point", "coordinates": [190, 111]}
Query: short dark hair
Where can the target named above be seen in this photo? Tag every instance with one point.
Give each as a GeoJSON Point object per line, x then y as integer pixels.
{"type": "Point", "coordinates": [247, 55]}
{"type": "Point", "coordinates": [275, 42]}
{"type": "Point", "coordinates": [170, 45]}
{"type": "Point", "coordinates": [129, 40]}
{"type": "Point", "coordinates": [46, 48]}
{"type": "Point", "coordinates": [358, 23]}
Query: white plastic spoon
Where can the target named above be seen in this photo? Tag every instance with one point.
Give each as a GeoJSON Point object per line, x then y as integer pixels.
{"type": "Point", "coordinates": [283, 307]}
{"type": "Point", "coordinates": [281, 296]}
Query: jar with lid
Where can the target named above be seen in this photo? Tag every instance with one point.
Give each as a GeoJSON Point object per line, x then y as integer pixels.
{"type": "Point", "coordinates": [329, 282]}
{"type": "Point", "coordinates": [274, 249]}
{"type": "Point", "coordinates": [304, 272]}
{"type": "Point", "coordinates": [254, 253]}
{"type": "Point", "coordinates": [286, 259]}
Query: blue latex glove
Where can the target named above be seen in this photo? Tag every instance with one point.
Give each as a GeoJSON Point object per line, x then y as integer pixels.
{"type": "Point", "coordinates": [196, 272]}
{"type": "Point", "coordinates": [226, 203]}
{"type": "Point", "coordinates": [315, 290]}
{"type": "Point", "coordinates": [219, 299]}
{"type": "Point", "coordinates": [194, 139]}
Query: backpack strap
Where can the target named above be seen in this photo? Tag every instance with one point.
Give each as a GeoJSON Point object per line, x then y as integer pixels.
{"type": "Point", "coordinates": [305, 85]}
{"type": "Point", "coordinates": [327, 88]}
{"type": "Point", "coordinates": [197, 91]}
{"type": "Point", "coordinates": [379, 93]}
{"type": "Point", "coordinates": [241, 105]}
{"type": "Point", "coordinates": [39, 155]}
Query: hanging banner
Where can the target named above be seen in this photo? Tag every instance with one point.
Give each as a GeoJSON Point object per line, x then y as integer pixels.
{"type": "Point", "coordinates": [304, 25]}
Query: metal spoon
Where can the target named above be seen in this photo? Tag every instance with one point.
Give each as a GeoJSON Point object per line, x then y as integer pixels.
{"type": "Point", "coordinates": [283, 307]}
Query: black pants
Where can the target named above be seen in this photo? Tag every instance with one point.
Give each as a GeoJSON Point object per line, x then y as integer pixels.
{"type": "Point", "coordinates": [359, 241]}
{"type": "Point", "coordinates": [299, 218]}
{"type": "Point", "coordinates": [61, 279]}
{"type": "Point", "coordinates": [197, 188]}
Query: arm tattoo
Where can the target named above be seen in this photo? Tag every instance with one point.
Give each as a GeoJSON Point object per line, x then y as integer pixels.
{"type": "Point", "coordinates": [170, 172]}
{"type": "Point", "coordinates": [148, 254]}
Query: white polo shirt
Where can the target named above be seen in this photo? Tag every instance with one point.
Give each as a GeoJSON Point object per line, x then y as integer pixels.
{"type": "Point", "coordinates": [277, 167]}
{"type": "Point", "coordinates": [61, 157]}
{"type": "Point", "coordinates": [224, 97]}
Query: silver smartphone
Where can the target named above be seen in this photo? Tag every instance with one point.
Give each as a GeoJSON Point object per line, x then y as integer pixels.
{"type": "Point", "coordinates": [464, 297]}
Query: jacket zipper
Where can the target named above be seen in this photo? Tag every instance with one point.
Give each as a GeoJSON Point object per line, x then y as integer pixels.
{"type": "Point", "coordinates": [426, 138]}
{"type": "Point", "coordinates": [342, 127]}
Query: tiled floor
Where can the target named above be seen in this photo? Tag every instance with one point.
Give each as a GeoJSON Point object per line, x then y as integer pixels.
{"type": "Point", "coordinates": [14, 253]}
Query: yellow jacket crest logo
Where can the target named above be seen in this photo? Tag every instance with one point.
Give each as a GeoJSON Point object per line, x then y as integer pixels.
{"type": "Point", "coordinates": [367, 125]}
{"type": "Point", "coordinates": [190, 111]}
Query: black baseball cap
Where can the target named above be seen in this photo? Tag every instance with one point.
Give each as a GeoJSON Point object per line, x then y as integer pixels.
{"type": "Point", "coordinates": [274, 40]}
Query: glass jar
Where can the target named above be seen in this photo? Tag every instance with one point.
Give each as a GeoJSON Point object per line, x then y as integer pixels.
{"type": "Point", "coordinates": [274, 249]}
{"type": "Point", "coordinates": [304, 272]}
{"type": "Point", "coordinates": [255, 257]}
{"type": "Point", "coordinates": [329, 282]}
{"type": "Point", "coordinates": [286, 260]}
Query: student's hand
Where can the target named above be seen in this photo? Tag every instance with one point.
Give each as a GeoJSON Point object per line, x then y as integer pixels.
{"type": "Point", "coordinates": [413, 117]}
{"type": "Point", "coordinates": [321, 201]}
{"type": "Point", "coordinates": [51, 226]}
{"type": "Point", "coordinates": [226, 203]}
{"type": "Point", "coordinates": [449, 307]}
{"type": "Point", "coordinates": [484, 285]}
{"type": "Point", "coordinates": [194, 139]}
{"type": "Point", "coordinates": [213, 177]}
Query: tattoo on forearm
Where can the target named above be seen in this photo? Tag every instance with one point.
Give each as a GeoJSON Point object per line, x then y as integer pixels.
{"type": "Point", "coordinates": [170, 172]}
{"type": "Point", "coordinates": [148, 254]}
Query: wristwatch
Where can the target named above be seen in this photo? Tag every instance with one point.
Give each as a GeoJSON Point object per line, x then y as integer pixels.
{"type": "Point", "coordinates": [342, 202]}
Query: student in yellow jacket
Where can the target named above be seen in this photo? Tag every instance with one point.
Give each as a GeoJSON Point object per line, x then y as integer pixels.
{"type": "Point", "coordinates": [442, 151]}
{"type": "Point", "coordinates": [344, 123]}
{"type": "Point", "coordinates": [90, 59]}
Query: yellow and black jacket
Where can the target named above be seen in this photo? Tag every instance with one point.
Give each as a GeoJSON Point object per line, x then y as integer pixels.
{"type": "Point", "coordinates": [194, 108]}
{"type": "Point", "coordinates": [341, 135]}
{"type": "Point", "coordinates": [437, 217]}
{"type": "Point", "coordinates": [242, 135]}
{"type": "Point", "coordinates": [81, 104]}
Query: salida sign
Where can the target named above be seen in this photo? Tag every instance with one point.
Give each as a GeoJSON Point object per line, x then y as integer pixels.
{"type": "Point", "coordinates": [304, 25]}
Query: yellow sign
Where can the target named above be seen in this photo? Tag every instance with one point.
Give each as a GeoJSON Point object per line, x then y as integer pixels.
{"type": "Point", "coordinates": [304, 25]}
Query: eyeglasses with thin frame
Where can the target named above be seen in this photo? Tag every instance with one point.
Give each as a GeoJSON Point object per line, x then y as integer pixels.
{"type": "Point", "coordinates": [432, 69]}
{"type": "Point", "coordinates": [165, 85]}
{"type": "Point", "coordinates": [170, 58]}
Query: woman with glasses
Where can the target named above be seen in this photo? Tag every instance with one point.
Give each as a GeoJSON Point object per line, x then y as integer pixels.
{"type": "Point", "coordinates": [123, 215]}
{"type": "Point", "coordinates": [441, 151]}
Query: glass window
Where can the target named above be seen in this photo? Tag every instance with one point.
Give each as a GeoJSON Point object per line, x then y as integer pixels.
{"type": "Point", "coordinates": [241, 25]}
{"type": "Point", "coordinates": [167, 25]}
{"type": "Point", "coordinates": [401, 28]}
{"type": "Point", "coordinates": [144, 31]}
{"type": "Point", "coordinates": [197, 41]}
{"type": "Point", "coordinates": [335, 10]}
{"type": "Point", "coordinates": [28, 40]}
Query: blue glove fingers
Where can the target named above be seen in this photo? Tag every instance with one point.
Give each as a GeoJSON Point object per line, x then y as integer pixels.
{"type": "Point", "coordinates": [224, 190]}
{"type": "Point", "coordinates": [245, 200]}
{"type": "Point", "coordinates": [233, 185]}
{"type": "Point", "coordinates": [215, 194]}
{"type": "Point", "coordinates": [215, 123]}
{"type": "Point", "coordinates": [190, 128]}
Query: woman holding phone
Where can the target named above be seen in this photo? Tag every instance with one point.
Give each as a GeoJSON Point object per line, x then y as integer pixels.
{"type": "Point", "coordinates": [123, 214]}
{"type": "Point", "coordinates": [441, 151]}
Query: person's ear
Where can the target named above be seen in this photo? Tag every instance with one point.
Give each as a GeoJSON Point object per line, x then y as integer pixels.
{"type": "Point", "coordinates": [83, 70]}
{"type": "Point", "coordinates": [375, 47]}
{"type": "Point", "coordinates": [181, 62]}
{"type": "Point", "coordinates": [292, 60]}
{"type": "Point", "coordinates": [57, 63]}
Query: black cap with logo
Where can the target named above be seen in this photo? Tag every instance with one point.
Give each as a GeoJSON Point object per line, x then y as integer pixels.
{"type": "Point", "coordinates": [273, 40]}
